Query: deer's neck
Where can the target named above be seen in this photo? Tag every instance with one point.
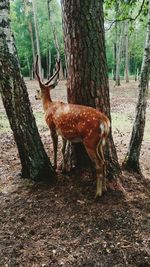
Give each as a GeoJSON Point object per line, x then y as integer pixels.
{"type": "Point", "coordinates": [46, 99]}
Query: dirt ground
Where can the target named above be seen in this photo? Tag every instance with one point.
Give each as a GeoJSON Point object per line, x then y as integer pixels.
{"type": "Point", "coordinates": [63, 225]}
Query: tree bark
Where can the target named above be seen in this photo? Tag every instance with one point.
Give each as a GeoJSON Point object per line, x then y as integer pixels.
{"type": "Point", "coordinates": [87, 84]}
{"type": "Point", "coordinates": [126, 53]}
{"type": "Point", "coordinates": [118, 59]}
{"type": "Point", "coordinates": [35, 162]}
{"type": "Point", "coordinates": [61, 75]}
{"type": "Point", "coordinates": [132, 157]}
{"type": "Point", "coordinates": [37, 35]}
{"type": "Point", "coordinates": [32, 40]}
{"type": "Point", "coordinates": [30, 28]}
{"type": "Point", "coordinates": [115, 61]}
{"type": "Point", "coordinates": [116, 39]}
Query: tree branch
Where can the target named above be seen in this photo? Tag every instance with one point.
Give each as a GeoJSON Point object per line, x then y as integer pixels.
{"type": "Point", "coordinates": [127, 18]}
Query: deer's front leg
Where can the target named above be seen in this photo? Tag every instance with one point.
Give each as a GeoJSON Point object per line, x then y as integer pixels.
{"type": "Point", "coordinates": [95, 153]}
{"type": "Point", "coordinates": [55, 146]}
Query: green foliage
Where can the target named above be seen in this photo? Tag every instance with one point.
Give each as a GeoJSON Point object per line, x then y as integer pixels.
{"type": "Point", "coordinates": [114, 10]}
{"type": "Point", "coordinates": [20, 30]}
{"type": "Point", "coordinates": [19, 22]}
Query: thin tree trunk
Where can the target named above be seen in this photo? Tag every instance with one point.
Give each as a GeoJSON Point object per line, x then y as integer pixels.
{"type": "Point", "coordinates": [126, 53]}
{"type": "Point", "coordinates": [115, 62]}
{"type": "Point", "coordinates": [29, 70]}
{"type": "Point", "coordinates": [50, 61]}
{"type": "Point", "coordinates": [26, 11]}
{"type": "Point", "coordinates": [87, 71]}
{"type": "Point", "coordinates": [61, 75]}
{"type": "Point", "coordinates": [37, 35]}
{"type": "Point", "coordinates": [137, 74]}
{"type": "Point", "coordinates": [33, 48]}
{"type": "Point", "coordinates": [30, 29]}
{"type": "Point", "coordinates": [116, 39]}
{"type": "Point", "coordinates": [32, 40]}
{"type": "Point", "coordinates": [132, 157]}
{"type": "Point", "coordinates": [35, 162]}
{"type": "Point", "coordinates": [118, 60]}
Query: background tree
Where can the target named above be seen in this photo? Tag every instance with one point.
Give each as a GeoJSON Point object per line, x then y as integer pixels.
{"type": "Point", "coordinates": [87, 82]}
{"type": "Point", "coordinates": [126, 53]}
{"type": "Point", "coordinates": [27, 11]}
{"type": "Point", "coordinates": [132, 158]}
{"type": "Point", "coordinates": [20, 26]}
{"type": "Point", "coordinates": [37, 34]}
{"type": "Point", "coordinates": [57, 46]}
{"type": "Point", "coordinates": [35, 162]}
{"type": "Point", "coordinates": [116, 13]}
{"type": "Point", "coordinates": [119, 54]}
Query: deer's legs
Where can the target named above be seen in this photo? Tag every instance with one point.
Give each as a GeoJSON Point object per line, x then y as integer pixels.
{"type": "Point", "coordinates": [95, 153]}
{"type": "Point", "coordinates": [63, 153]}
{"type": "Point", "coordinates": [55, 146]}
{"type": "Point", "coordinates": [100, 153]}
{"type": "Point", "coordinates": [101, 186]}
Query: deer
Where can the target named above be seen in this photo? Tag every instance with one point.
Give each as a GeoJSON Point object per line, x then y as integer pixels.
{"type": "Point", "coordinates": [75, 123]}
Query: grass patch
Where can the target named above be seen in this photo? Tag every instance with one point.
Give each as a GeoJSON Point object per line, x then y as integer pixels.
{"type": "Point", "coordinates": [123, 124]}
{"type": "Point", "coordinates": [5, 126]}
{"type": "Point", "coordinates": [120, 122]}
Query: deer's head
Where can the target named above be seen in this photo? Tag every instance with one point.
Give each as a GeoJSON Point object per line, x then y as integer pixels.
{"type": "Point", "coordinates": [50, 84]}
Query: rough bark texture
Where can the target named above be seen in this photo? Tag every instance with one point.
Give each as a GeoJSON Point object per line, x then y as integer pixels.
{"type": "Point", "coordinates": [132, 158]}
{"type": "Point", "coordinates": [87, 84]}
{"type": "Point", "coordinates": [34, 160]}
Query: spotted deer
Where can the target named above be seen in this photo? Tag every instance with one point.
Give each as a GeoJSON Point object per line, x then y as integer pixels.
{"type": "Point", "coordinates": [75, 123]}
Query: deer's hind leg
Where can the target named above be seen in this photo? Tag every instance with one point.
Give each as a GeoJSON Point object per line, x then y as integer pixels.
{"type": "Point", "coordinates": [95, 152]}
{"type": "Point", "coordinates": [100, 153]}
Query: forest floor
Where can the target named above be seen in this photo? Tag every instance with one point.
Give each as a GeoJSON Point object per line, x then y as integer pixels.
{"type": "Point", "coordinates": [63, 225]}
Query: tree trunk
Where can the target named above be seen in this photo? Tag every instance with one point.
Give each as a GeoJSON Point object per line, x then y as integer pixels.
{"type": "Point", "coordinates": [61, 75]}
{"type": "Point", "coordinates": [87, 71]}
{"type": "Point", "coordinates": [137, 75]}
{"type": "Point", "coordinates": [49, 62]}
{"type": "Point", "coordinates": [37, 35]}
{"type": "Point", "coordinates": [29, 70]}
{"type": "Point", "coordinates": [126, 53]}
{"type": "Point", "coordinates": [132, 158]}
{"type": "Point", "coordinates": [116, 38]}
{"type": "Point", "coordinates": [32, 40]}
{"type": "Point", "coordinates": [115, 62]}
{"type": "Point", "coordinates": [26, 11]}
{"type": "Point", "coordinates": [118, 60]}
{"type": "Point", "coordinates": [34, 160]}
